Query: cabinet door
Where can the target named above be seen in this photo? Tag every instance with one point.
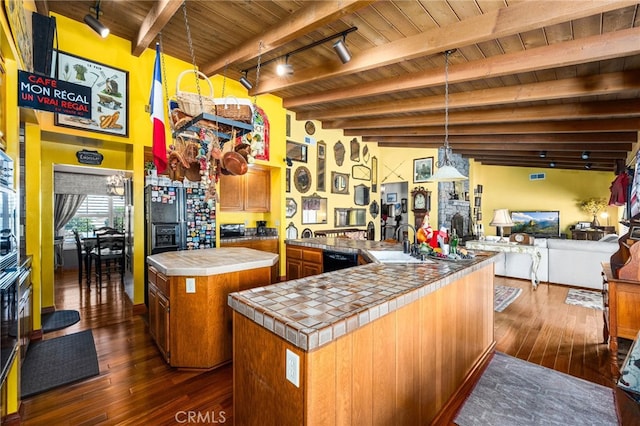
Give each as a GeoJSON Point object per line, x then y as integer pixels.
{"type": "Point", "coordinates": [309, 269]}
{"type": "Point", "coordinates": [231, 193]}
{"type": "Point", "coordinates": [153, 311]}
{"type": "Point", "coordinates": [257, 190]}
{"type": "Point", "coordinates": [163, 326]}
{"type": "Point", "coordinates": [294, 269]}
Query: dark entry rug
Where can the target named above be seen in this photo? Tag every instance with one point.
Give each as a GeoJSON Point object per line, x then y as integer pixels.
{"type": "Point", "coordinates": [60, 361]}
{"type": "Point", "coordinates": [516, 392]}
{"type": "Point", "coordinates": [58, 320]}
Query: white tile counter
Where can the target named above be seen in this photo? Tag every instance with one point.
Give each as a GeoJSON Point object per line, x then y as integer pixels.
{"type": "Point", "coordinates": [213, 261]}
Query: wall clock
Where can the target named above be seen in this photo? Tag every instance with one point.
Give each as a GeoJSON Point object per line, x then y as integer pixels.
{"type": "Point", "coordinates": [421, 204]}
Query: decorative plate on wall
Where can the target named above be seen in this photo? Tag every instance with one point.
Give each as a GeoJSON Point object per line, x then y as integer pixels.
{"type": "Point", "coordinates": [309, 127]}
{"type": "Point", "coordinates": [307, 233]}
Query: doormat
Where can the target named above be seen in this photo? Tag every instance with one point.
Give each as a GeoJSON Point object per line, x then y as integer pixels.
{"type": "Point", "coordinates": [58, 320]}
{"type": "Point", "coordinates": [55, 362]}
{"type": "Point", "coordinates": [512, 391]}
{"type": "Point", "coordinates": [587, 298]}
{"type": "Point", "coordinates": [504, 296]}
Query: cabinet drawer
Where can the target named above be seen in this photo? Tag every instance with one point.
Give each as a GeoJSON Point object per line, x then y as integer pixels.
{"type": "Point", "coordinates": [294, 253]}
{"type": "Point", "coordinates": [312, 255]}
{"type": "Point", "coordinates": [151, 275]}
{"type": "Point", "coordinates": [162, 282]}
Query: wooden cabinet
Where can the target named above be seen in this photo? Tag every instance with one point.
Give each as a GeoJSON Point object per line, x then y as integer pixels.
{"type": "Point", "coordinates": [268, 245]}
{"type": "Point", "coordinates": [159, 320]}
{"type": "Point", "coordinates": [303, 262]}
{"type": "Point", "coordinates": [191, 323]}
{"type": "Point", "coordinates": [250, 192]}
{"type": "Point", "coordinates": [621, 315]}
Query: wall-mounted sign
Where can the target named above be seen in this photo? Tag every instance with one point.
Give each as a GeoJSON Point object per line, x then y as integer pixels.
{"type": "Point", "coordinates": [89, 157]}
{"type": "Point", "coordinates": [48, 94]}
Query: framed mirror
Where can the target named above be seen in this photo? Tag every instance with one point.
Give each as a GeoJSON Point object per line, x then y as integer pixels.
{"type": "Point", "coordinates": [302, 179]}
{"type": "Point", "coordinates": [374, 209]}
{"type": "Point", "coordinates": [321, 172]}
{"type": "Point", "coordinates": [292, 231]}
{"type": "Point", "coordinates": [339, 183]}
{"type": "Point", "coordinates": [361, 172]}
{"type": "Point", "coordinates": [291, 207]}
{"type": "Point", "coordinates": [355, 150]}
{"type": "Point", "coordinates": [350, 217]}
{"type": "Point", "coordinates": [314, 210]}
{"type": "Point", "coordinates": [297, 151]}
{"type": "Point", "coordinates": [361, 195]}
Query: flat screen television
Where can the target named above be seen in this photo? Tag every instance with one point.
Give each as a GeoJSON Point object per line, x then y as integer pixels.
{"type": "Point", "coordinates": [540, 224]}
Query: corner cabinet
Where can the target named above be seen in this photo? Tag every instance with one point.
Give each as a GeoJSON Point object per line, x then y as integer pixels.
{"type": "Point", "coordinates": [250, 192]}
{"type": "Point", "coordinates": [159, 311]}
{"type": "Point", "coordinates": [303, 262]}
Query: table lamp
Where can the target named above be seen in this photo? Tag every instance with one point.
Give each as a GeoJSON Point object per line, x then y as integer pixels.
{"type": "Point", "coordinates": [501, 218]}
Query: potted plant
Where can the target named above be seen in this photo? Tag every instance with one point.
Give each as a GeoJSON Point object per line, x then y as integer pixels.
{"type": "Point", "coordinates": [593, 206]}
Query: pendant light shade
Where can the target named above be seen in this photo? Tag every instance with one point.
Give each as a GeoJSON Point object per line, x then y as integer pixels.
{"type": "Point", "coordinates": [446, 170]}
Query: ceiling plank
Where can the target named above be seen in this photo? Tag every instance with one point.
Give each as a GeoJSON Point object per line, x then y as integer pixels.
{"type": "Point", "coordinates": [596, 48]}
{"type": "Point", "coordinates": [592, 85]}
{"type": "Point", "coordinates": [585, 110]}
{"type": "Point", "coordinates": [159, 15]}
{"type": "Point", "coordinates": [603, 125]}
{"type": "Point", "coordinates": [503, 22]}
{"type": "Point", "coordinates": [311, 17]}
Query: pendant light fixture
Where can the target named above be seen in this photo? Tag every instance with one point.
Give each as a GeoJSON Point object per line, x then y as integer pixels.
{"type": "Point", "coordinates": [94, 23]}
{"type": "Point", "coordinates": [446, 171]}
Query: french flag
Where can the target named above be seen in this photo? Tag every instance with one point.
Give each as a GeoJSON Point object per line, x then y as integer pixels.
{"type": "Point", "coordinates": [157, 117]}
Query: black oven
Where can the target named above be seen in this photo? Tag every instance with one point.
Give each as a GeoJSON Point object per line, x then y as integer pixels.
{"type": "Point", "coordinates": [165, 237]}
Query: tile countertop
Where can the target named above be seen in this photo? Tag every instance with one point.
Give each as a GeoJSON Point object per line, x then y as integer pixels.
{"type": "Point", "coordinates": [311, 312]}
{"type": "Point", "coordinates": [212, 261]}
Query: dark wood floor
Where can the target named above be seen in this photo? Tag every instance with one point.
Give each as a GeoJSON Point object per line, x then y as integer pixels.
{"type": "Point", "coordinates": [136, 387]}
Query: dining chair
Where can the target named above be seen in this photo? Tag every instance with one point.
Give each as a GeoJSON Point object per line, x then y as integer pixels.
{"type": "Point", "coordinates": [108, 255]}
{"type": "Point", "coordinates": [104, 229]}
{"type": "Point", "coordinates": [83, 259]}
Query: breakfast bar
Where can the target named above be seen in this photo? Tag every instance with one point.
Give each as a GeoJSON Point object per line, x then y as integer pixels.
{"type": "Point", "coordinates": [189, 318]}
{"type": "Point", "coordinates": [380, 343]}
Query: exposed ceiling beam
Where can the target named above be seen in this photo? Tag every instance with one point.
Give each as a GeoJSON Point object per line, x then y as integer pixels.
{"type": "Point", "coordinates": [507, 21]}
{"type": "Point", "coordinates": [602, 125]}
{"type": "Point", "coordinates": [42, 7]}
{"type": "Point", "coordinates": [535, 154]}
{"type": "Point", "coordinates": [592, 85]}
{"type": "Point", "coordinates": [159, 15]}
{"type": "Point", "coordinates": [585, 110]}
{"type": "Point", "coordinates": [590, 49]}
{"type": "Point", "coordinates": [506, 146]}
{"type": "Point", "coordinates": [540, 138]}
{"type": "Point", "coordinates": [602, 167]}
{"type": "Point", "coordinates": [314, 15]}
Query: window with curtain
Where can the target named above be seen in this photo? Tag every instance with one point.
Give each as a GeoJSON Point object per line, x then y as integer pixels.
{"type": "Point", "coordinates": [95, 212]}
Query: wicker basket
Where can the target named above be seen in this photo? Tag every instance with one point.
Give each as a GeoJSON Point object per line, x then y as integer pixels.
{"type": "Point", "coordinates": [191, 103]}
{"type": "Point", "coordinates": [234, 109]}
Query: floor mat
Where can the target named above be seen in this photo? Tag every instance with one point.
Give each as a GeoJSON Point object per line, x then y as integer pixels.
{"type": "Point", "coordinates": [58, 320]}
{"type": "Point", "coordinates": [504, 296]}
{"type": "Point", "coordinates": [587, 298]}
{"type": "Point", "coordinates": [59, 361]}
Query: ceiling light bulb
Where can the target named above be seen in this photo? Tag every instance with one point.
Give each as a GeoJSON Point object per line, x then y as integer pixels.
{"type": "Point", "coordinates": [543, 154]}
{"type": "Point", "coordinates": [342, 51]}
{"type": "Point", "coordinates": [585, 155]}
{"type": "Point", "coordinates": [552, 164]}
{"type": "Point", "coordinates": [96, 25]}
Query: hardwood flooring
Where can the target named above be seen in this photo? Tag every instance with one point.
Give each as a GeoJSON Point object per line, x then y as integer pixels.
{"type": "Point", "coordinates": [136, 387]}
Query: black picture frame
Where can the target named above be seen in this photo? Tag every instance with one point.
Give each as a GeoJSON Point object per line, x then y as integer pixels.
{"type": "Point", "coordinates": [297, 151]}
{"type": "Point", "coordinates": [422, 169]}
{"type": "Point", "coordinates": [109, 94]}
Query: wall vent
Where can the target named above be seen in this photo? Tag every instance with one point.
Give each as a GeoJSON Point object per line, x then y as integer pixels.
{"type": "Point", "coordinates": [537, 176]}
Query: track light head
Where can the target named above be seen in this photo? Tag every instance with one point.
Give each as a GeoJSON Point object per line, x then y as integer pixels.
{"type": "Point", "coordinates": [588, 166]}
{"type": "Point", "coordinates": [245, 82]}
{"type": "Point", "coordinates": [543, 154]}
{"type": "Point", "coordinates": [342, 51]}
{"type": "Point", "coordinates": [552, 164]}
{"type": "Point", "coordinates": [285, 69]}
{"type": "Point", "coordinates": [94, 23]}
{"type": "Point", "coordinates": [585, 155]}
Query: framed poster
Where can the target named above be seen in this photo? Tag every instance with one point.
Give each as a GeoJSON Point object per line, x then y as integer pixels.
{"type": "Point", "coordinates": [109, 95]}
{"type": "Point", "coordinates": [422, 169]}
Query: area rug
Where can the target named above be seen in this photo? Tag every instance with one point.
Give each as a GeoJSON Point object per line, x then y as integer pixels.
{"type": "Point", "coordinates": [516, 392]}
{"type": "Point", "coordinates": [587, 298]}
{"type": "Point", "coordinates": [58, 320]}
{"type": "Point", "coordinates": [60, 361]}
{"type": "Point", "coordinates": [504, 296]}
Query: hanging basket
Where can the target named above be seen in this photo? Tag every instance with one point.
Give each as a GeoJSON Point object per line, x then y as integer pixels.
{"type": "Point", "coordinates": [234, 109]}
{"type": "Point", "coordinates": [194, 104]}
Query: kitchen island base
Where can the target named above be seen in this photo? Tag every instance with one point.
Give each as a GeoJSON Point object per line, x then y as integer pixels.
{"type": "Point", "coordinates": [410, 366]}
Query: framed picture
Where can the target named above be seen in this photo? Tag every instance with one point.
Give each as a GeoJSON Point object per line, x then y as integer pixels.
{"type": "Point", "coordinates": [635, 233]}
{"type": "Point", "coordinates": [422, 169]}
{"type": "Point", "coordinates": [296, 151]}
{"type": "Point", "coordinates": [291, 207]}
{"type": "Point", "coordinates": [392, 197]}
{"type": "Point", "coordinates": [109, 95]}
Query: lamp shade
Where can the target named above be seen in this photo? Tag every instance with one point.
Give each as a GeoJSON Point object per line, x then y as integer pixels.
{"type": "Point", "coordinates": [446, 174]}
{"type": "Point", "coordinates": [501, 217]}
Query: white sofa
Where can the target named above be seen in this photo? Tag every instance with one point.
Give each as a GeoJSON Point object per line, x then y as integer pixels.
{"type": "Point", "coordinates": [569, 262]}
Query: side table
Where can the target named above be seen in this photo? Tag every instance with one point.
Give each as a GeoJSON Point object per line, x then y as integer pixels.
{"type": "Point", "coordinates": [510, 247]}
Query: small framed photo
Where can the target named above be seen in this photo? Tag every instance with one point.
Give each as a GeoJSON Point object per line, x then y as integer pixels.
{"type": "Point", "coordinates": [422, 169]}
{"type": "Point", "coordinates": [392, 197]}
{"type": "Point", "coordinates": [634, 234]}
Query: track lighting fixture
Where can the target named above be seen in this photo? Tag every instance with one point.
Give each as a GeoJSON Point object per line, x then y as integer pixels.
{"type": "Point", "coordinates": [585, 155]}
{"type": "Point", "coordinates": [552, 164]}
{"type": "Point", "coordinates": [94, 23]}
{"type": "Point", "coordinates": [588, 166]}
{"type": "Point", "coordinates": [543, 154]}
{"type": "Point", "coordinates": [245, 82]}
{"type": "Point", "coordinates": [285, 69]}
{"type": "Point", "coordinates": [341, 50]}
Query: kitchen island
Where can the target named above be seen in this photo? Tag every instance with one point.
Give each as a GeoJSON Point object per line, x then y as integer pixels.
{"type": "Point", "coordinates": [372, 344]}
{"type": "Point", "coordinates": [189, 318]}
